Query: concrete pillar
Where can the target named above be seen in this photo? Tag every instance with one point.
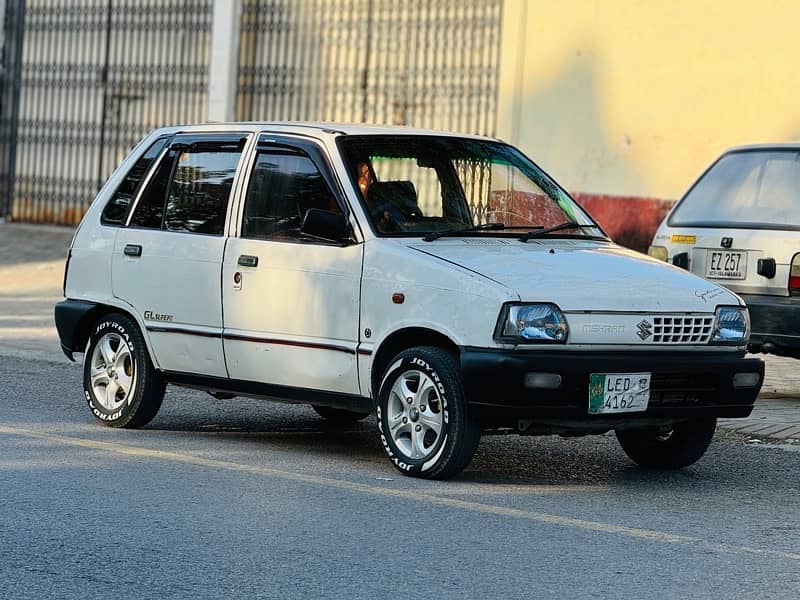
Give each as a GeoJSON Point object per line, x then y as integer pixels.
{"type": "Point", "coordinates": [223, 67]}
{"type": "Point", "coordinates": [511, 79]}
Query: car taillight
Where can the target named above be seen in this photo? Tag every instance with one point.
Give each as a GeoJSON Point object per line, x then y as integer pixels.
{"type": "Point", "coordinates": [659, 252]}
{"type": "Point", "coordinates": [794, 276]}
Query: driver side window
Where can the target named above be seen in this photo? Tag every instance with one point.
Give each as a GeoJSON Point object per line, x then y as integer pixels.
{"type": "Point", "coordinates": [284, 184]}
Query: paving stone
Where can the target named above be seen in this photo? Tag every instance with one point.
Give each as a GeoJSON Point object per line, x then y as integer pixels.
{"type": "Point", "coordinates": [751, 428]}
{"type": "Point", "coordinates": [792, 432]}
{"type": "Point", "coordinates": [772, 430]}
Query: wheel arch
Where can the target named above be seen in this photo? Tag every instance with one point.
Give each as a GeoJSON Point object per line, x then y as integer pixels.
{"type": "Point", "coordinates": [83, 328]}
{"type": "Point", "coordinates": [402, 339]}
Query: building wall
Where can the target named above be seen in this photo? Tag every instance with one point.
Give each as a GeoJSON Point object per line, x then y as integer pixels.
{"type": "Point", "coordinates": [630, 98]}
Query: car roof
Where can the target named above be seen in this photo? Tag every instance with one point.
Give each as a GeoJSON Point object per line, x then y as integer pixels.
{"type": "Point", "coordinates": [318, 129]}
{"type": "Point", "coordinates": [757, 147]}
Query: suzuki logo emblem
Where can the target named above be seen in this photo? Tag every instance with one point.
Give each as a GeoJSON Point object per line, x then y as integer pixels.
{"type": "Point", "coordinates": [645, 329]}
{"type": "Point", "coordinates": [726, 242]}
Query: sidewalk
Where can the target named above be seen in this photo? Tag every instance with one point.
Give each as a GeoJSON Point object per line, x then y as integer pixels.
{"type": "Point", "coordinates": [32, 269]}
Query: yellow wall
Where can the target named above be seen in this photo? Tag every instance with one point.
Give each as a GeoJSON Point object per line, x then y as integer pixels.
{"type": "Point", "coordinates": [628, 97]}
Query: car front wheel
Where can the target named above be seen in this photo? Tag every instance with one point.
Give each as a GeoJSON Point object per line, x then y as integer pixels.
{"type": "Point", "coordinates": [120, 384]}
{"type": "Point", "coordinates": [422, 414]}
{"type": "Point", "coordinates": [679, 447]}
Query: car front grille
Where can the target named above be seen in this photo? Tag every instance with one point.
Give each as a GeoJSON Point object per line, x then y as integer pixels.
{"type": "Point", "coordinates": [682, 329]}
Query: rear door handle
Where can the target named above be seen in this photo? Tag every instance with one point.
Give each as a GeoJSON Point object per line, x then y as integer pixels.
{"type": "Point", "coordinates": [248, 261]}
{"type": "Point", "coordinates": [133, 250]}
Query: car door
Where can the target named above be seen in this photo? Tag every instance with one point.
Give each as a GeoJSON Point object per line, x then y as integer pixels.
{"type": "Point", "coordinates": [291, 302]}
{"type": "Point", "coordinates": [166, 263]}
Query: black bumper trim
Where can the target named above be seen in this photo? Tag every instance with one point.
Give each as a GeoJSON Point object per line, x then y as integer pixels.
{"type": "Point", "coordinates": [774, 320]}
{"type": "Point", "coordinates": [68, 317]}
{"type": "Point", "coordinates": [683, 384]}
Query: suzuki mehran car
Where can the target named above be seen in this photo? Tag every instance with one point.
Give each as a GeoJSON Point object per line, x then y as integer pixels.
{"type": "Point", "coordinates": [739, 226]}
{"type": "Point", "coordinates": [442, 281]}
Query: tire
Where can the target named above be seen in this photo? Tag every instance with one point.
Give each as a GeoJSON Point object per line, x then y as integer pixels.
{"type": "Point", "coordinates": [421, 392]}
{"type": "Point", "coordinates": [679, 448]}
{"type": "Point", "coordinates": [120, 384]}
{"type": "Point", "coordinates": [338, 415]}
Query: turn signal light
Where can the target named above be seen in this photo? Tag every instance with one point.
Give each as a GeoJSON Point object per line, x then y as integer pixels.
{"type": "Point", "coordinates": [794, 276]}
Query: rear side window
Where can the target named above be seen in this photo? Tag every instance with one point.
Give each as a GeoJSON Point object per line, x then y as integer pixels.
{"type": "Point", "coordinates": [283, 186]}
{"type": "Point", "coordinates": [745, 189]}
{"type": "Point", "coordinates": [190, 188]}
{"type": "Point", "coordinates": [198, 194]}
{"type": "Point", "coordinates": [150, 209]}
{"type": "Point", "coordinates": [116, 211]}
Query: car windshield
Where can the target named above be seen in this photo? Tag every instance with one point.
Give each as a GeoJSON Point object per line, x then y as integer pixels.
{"type": "Point", "coordinates": [414, 186]}
{"type": "Point", "coordinates": [748, 189]}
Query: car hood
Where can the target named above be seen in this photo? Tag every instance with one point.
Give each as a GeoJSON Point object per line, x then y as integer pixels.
{"type": "Point", "coordinates": [580, 275]}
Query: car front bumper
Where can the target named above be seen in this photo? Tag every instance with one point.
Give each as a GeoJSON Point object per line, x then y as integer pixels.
{"type": "Point", "coordinates": [775, 321]}
{"type": "Point", "coordinates": [683, 385]}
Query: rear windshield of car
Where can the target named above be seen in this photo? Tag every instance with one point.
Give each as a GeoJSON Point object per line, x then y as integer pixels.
{"type": "Point", "coordinates": [747, 189]}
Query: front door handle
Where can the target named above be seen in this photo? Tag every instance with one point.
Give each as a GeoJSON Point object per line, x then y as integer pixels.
{"type": "Point", "coordinates": [133, 250]}
{"type": "Point", "coordinates": [248, 261]}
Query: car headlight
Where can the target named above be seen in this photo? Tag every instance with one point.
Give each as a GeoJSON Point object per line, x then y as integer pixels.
{"type": "Point", "coordinates": [531, 324]}
{"type": "Point", "coordinates": [731, 326]}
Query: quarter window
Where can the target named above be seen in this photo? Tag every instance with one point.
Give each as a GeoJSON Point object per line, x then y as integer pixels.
{"type": "Point", "coordinates": [283, 186]}
{"type": "Point", "coordinates": [117, 208]}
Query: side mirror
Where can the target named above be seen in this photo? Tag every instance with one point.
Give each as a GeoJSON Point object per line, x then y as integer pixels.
{"type": "Point", "coordinates": [325, 224]}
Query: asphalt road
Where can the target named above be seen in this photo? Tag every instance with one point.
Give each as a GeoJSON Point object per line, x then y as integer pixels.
{"type": "Point", "coordinates": [243, 498]}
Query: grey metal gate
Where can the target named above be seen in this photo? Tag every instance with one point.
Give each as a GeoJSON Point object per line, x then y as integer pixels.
{"type": "Point", "coordinates": [83, 80]}
{"type": "Point", "coordinates": [95, 76]}
{"type": "Point", "coordinates": [12, 14]}
{"type": "Point", "coordinates": [427, 63]}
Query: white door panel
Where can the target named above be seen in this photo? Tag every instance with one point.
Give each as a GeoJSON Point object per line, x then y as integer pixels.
{"type": "Point", "coordinates": [293, 319]}
{"type": "Point", "coordinates": [174, 287]}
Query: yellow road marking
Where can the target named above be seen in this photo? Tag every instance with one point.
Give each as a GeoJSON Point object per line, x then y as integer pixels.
{"type": "Point", "coordinates": [478, 507]}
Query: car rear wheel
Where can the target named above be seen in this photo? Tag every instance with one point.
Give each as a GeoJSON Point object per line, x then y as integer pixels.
{"type": "Point", "coordinates": [120, 384]}
{"type": "Point", "coordinates": [422, 415]}
{"type": "Point", "coordinates": [338, 415]}
{"type": "Point", "coordinates": [679, 447]}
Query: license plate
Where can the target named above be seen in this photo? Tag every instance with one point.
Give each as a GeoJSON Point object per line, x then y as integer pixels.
{"type": "Point", "coordinates": [618, 392]}
{"type": "Point", "coordinates": [722, 264]}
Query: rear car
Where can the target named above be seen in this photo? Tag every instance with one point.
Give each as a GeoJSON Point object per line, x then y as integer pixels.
{"type": "Point", "coordinates": [739, 226]}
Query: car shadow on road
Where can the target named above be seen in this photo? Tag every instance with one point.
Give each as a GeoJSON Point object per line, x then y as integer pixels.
{"type": "Point", "coordinates": [298, 434]}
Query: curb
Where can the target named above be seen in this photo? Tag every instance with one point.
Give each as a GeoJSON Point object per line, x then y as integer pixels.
{"type": "Point", "coordinates": [763, 430]}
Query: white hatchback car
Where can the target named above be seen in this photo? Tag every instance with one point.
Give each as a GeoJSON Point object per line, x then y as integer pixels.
{"type": "Point", "coordinates": [739, 225]}
{"type": "Point", "coordinates": [443, 281]}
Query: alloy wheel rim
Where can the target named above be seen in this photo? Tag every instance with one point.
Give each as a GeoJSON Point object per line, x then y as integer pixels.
{"type": "Point", "coordinates": [415, 415]}
{"type": "Point", "coordinates": [111, 373]}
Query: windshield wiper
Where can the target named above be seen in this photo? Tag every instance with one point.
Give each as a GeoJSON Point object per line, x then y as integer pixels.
{"type": "Point", "coordinates": [486, 226]}
{"type": "Point", "coordinates": [542, 232]}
